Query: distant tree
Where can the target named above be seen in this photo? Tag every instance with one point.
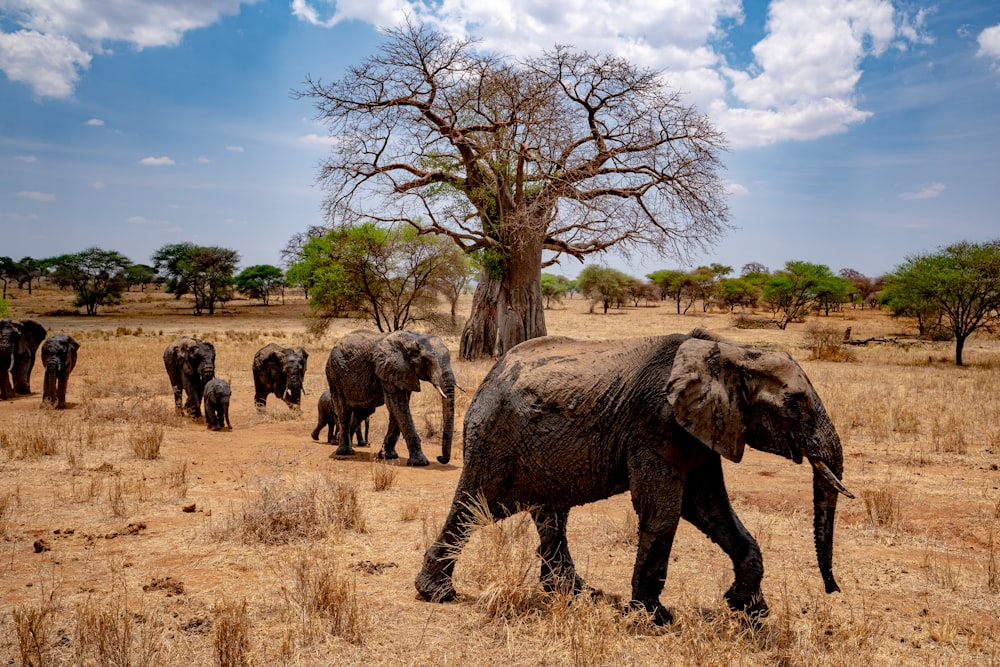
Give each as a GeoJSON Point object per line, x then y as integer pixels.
{"type": "Point", "coordinates": [95, 276]}
{"type": "Point", "coordinates": [138, 275]}
{"type": "Point", "coordinates": [671, 284]}
{"type": "Point", "coordinates": [167, 262]}
{"type": "Point", "coordinates": [554, 288]}
{"type": "Point", "coordinates": [962, 280]}
{"type": "Point", "coordinates": [864, 289]}
{"type": "Point", "coordinates": [732, 292]}
{"type": "Point", "coordinates": [390, 275]}
{"type": "Point", "coordinates": [28, 271]}
{"type": "Point", "coordinates": [603, 285]}
{"type": "Point", "coordinates": [205, 272]}
{"type": "Point", "coordinates": [456, 276]}
{"type": "Point", "coordinates": [7, 270]}
{"type": "Point", "coordinates": [754, 267]}
{"type": "Point", "coordinates": [260, 281]}
{"type": "Point", "coordinates": [796, 289]}
{"type": "Point", "coordinates": [640, 290]}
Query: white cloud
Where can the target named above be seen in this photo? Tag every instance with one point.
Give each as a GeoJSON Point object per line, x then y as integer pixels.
{"type": "Point", "coordinates": [26, 158]}
{"type": "Point", "coordinates": [234, 149]}
{"type": "Point", "coordinates": [138, 220]}
{"type": "Point", "coordinates": [201, 159]}
{"type": "Point", "coordinates": [156, 161]}
{"type": "Point", "coordinates": [97, 185]}
{"type": "Point", "coordinates": [929, 191]}
{"type": "Point", "coordinates": [801, 85]}
{"type": "Point", "coordinates": [317, 140]}
{"type": "Point", "coordinates": [36, 196]}
{"type": "Point", "coordinates": [54, 40]}
{"type": "Point", "coordinates": [95, 122]}
{"type": "Point", "coordinates": [989, 44]}
{"type": "Point", "coordinates": [737, 189]}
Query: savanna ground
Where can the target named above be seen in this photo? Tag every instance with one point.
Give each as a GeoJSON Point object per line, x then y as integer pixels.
{"type": "Point", "coordinates": [132, 536]}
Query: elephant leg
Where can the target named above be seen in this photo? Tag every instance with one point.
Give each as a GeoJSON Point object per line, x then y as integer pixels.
{"type": "Point", "coordinates": [434, 581]}
{"type": "Point", "coordinates": [259, 394]}
{"type": "Point", "coordinates": [558, 571]}
{"type": "Point", "coordinates": [61, 392]}
{"type": "Point", "coordinates": [706, 506]}
{"type": "Point", "coordinates": [389, 441]}
{"type": "Point", "coordinates": [398, 403]}
{"type": "Point", "coordinates": [356, 423]}
{"type": "Point", "coordinates": [657, 489]}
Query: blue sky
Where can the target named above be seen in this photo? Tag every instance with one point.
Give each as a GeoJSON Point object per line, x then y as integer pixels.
{"type": "Point", "coordinates": [861, 131]}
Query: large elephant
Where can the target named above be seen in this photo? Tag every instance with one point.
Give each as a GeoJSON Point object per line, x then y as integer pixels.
{"type": "Point", "coordinates": [59, 360]}
{"type": "Point", "coordinates": [217, 396]}
{"type": "Point", "coordinates": [278, 370]}
{"type": "Point", "coordinates": [190, 363]}
{"type": "Point", "coordinates": [367, 369]}
{"type": "Point", "coordinates": [559, 422]}
{"type": "Point", "coordinates": [19, 340]}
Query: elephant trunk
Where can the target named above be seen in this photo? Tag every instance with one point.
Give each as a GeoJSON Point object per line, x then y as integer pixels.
{"type": "Point", "coordinates": [207, 371]}
{"type": "Point", "coordinates": [447, 390]}
{"type": "Point", "coordinates": [49, 382]}
{"type": "Point", "coordinates": [827, 459]}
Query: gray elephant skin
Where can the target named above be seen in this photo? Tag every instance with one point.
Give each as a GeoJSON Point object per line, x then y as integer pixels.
{"type": "Point", "coordinates": [367, 369]}
{"type": "Point", "coordinates": [59, 359]}
{"type": "Point", "coordinates": [558, 423]}
{"type": "Point", "coordinates": [19, 341]}
{"type": "Point", "coordinates": [217, 396]}
{"type": "Point", "coordinates": [278, 370]}
{"type": "Point", "coordinates": [190, 364]}
{"type": "Point", "coordinates": [327, 416]}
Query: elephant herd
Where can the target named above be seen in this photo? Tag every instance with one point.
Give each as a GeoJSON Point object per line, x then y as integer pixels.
{"type": "Point", "coordinates": [365, 370]}
{"type": "Point", "coordinates": [556, 423]}
{"type": "Point", "coordinates": [19, 341]}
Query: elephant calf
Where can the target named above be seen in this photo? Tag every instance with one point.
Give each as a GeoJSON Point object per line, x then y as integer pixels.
{"type": "Point", "coordinates": [217, 393]}
{"type": "Point", "coordinates": [59, 360]}
{"type": "Point", "coordinates": [328, 417]}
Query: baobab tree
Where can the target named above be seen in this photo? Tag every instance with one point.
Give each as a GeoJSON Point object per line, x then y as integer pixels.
{"type": "Point", "coordinates": [520, 161]}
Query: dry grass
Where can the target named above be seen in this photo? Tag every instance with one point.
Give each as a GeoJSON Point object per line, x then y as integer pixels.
{"type": "Point", "coordinates": [265, 530]}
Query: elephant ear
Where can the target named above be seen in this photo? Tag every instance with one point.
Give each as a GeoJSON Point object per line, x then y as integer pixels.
{"type": "Point", "coordinates": [396, 358]}
{"type": "Point", "coordinates": [706, 394]}
{"type": "Point", "coordinates": [32, 335]}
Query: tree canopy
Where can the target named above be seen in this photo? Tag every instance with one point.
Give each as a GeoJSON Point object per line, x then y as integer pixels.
{"type": "Point", "coordinates": [94, 274]}
{"type": "Point", "coordinates": [204, 272]}
{"type": "Point", "coordinates": [961, 282]}
{"type": "Point", "coordinates": [566, 153]}
{"type": "Point", "coordinates": [259, 280]}
{"type": "Point", "coordinates": [391, 275]}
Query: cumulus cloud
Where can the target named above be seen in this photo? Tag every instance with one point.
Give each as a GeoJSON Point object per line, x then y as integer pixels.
{"type": "Point", "coordinates": [737, 189]}
{"type": "Point", "coordinates": [317, 140]}
{"type": "Point", "coordinates": [26, 158]}
{"type": "Point", "coordinates": [162, 161]}
{"type": "Point", "coordinates": [989, 44]}
{"type": "Point", "coordinates": [801, 84]}
{"type": "Point", "coordinates": [201, 159]}
{"type": "Point", "coordinates": [95, 122]}
{"type": "Point", "coordinates": [36, 196]}
{"type": "Point", "coordinates": [51, 43]}
{"type": "Point", "coordinates": [929, 191]}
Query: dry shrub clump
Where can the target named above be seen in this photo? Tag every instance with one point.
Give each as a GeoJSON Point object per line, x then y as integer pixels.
{"type": "Point", "coordinates": [32, 436]}
{"type": "Point", "coordinates": [325, 602]}
{"type": "Point", "coordinates": [276, 513]}
{"type": "Point", "coordinates": [826, 344]}
{"type": "Point", "coordinates": [884, 505]}
{"type": "Point", "coordinates": [383, 475]}
{"type": "Point", "coordinates": [231, 639]}
{"type": "Point", "coordinates": [34, 634]}
{"type": "Point", "coordinates": [145, 440]}
{"type": "Point", "coordinates": [114, 635]}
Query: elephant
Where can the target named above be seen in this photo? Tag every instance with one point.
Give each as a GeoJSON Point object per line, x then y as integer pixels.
{"type": "Point", "coordinates": [19, 340]}
{"type": "Point", "coordinates": [327, 416]}
{"type": "Point", "coordinates": [278, 370]}
{"type": "Point", "coordinates": [217, 394]}
{"type": "Point", "coordinates": [367, 369]}
{"type": "Point", "coordinates": [559, 422]}
{"type": "Point", "coordinates": [59, 360]}
{"type": "Point", "coordinates": [190, 363]}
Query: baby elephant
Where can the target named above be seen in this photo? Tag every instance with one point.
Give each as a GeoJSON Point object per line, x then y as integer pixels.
{"type": "Point", "coordinates": [328, 418]}
{"type": "Point", "coordinates": [217, 393]}
{"type": "Point", "coordinates": [59, 359]}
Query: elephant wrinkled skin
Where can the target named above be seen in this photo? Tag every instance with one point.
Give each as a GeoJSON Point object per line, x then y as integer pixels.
{"type": "Point", "coordinates": [190, 363]}
{"type": "Point", "coordinates": [367, 369]}
{"type": "Point", "coordinates": [59, 359]}
{"type": "Point", "coordinates": [217, 396]}
{"type": "Point", "coordinates": [19, 340]}
{"type": "Point", "coordinates": [278, 370]}
{"type": "Point", "coordinates": [558, 423]}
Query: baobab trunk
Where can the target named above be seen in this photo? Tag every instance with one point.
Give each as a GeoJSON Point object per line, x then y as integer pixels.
{"type": "Point", "coordinates": [505, 311]}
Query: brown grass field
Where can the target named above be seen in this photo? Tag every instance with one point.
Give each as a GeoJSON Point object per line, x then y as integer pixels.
{"type": "Point", "coordinates": [132, 536]}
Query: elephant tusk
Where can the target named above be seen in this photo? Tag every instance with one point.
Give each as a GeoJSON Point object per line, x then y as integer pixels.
{"type": "Point", "coordinates": [441, 391]}
{"type": "Point", "coordinates": [828, 475]}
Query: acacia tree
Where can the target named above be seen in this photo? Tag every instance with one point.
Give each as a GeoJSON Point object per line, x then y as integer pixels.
{"type": "Point", "coordinates": [567, 153]}
{"type": "Point", "coordinates": [961, 281]}
{"type": "Point", "coordinates": [94, 274]}
{"type": "Point", "coordinates": [259, 280]}
{"type": "Point", "coordinates": [205, 272]}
